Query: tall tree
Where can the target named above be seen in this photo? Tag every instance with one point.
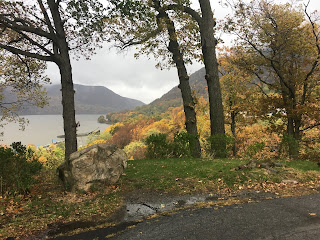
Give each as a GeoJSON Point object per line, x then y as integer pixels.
{"type": "Point", "coordinates": [206, 24]}
{"type": "Point", "coordinates": [282, 49]}
{"type": "Point", "coordinates": [240, 93]}
{"type": "Point", "coordinates": [47, 30]}
{"type": "Point", "coordinates": [154, 15]}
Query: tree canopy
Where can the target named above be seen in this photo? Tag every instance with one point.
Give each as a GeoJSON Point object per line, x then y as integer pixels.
{"type": "Point", "coordinates": [279, 45]}
{"type": "Point", "coordinates": [47, 30]}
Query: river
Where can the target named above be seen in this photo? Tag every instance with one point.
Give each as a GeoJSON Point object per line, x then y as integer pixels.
{"type": "Point", "coordinates": [44, 129]}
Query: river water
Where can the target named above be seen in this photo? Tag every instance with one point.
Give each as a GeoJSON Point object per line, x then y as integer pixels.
{"type": "Point", "coordinates": [44, 129]}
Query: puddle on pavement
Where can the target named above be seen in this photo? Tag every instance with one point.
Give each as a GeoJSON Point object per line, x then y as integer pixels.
{"type": "Point", "coordinates": [137, 207]}
{"type": "Point", "coordinates": [136, 211]}
{"type": "Point", "coordinates": [141, 207]}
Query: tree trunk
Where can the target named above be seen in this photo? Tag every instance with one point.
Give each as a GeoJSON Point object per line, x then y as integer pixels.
{"type": "Point", "coordinates": [293, 131]}
{"type": "Point", "coordinates": [62, 59]}
{"type": "Point", "coordinates": [69, 121]}
{"type": "Point", "coordinates": [209, 42]}
{"type": "Point", "coordinates": [188, 102]}
{"type": "Point", "coordinates": [233, 130]}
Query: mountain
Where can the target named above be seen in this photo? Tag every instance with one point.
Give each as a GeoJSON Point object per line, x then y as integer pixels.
{"type": "Point", "coordinates": [88, 100]}
{"type": "Point", "coordinates": [197, 82]}
{"type": "Point", "coordinates": [170, 99]}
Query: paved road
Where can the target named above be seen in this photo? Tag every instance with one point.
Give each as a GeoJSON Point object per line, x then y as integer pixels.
{"type": "Point", "coordinates": [287, 218]}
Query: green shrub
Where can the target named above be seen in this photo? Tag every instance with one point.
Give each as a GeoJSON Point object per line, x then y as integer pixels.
{"type": "Point", "coordinates": [18, 166]}
{"type": "Point", "coordinates": [182, 143]}
{"type": "Point", "coordinates": [287, 143]}
{"type": "Point", "coordinates": [254, 149]}
{"type": "Point", "coordinates": [135, 150]}
{"type": "Point", "coordinates": [158, 146]}
{"type": "Point", "coordinates": [219, 145]}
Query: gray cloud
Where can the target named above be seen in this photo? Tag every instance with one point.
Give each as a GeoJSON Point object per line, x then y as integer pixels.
{"type": "Point", "coordinates": [123, 74]}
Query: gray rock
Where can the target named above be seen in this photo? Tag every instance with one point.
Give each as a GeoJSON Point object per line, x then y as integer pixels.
{"type": "Point", "coordinates": [99, 163]}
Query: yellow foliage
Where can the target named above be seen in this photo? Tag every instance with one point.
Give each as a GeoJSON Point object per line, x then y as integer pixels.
{"type": "Point", "coordinates": [42, 159]}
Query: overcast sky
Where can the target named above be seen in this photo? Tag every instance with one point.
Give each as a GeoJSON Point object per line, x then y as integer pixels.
{"type": "Point", "coordinates": [136, 78]}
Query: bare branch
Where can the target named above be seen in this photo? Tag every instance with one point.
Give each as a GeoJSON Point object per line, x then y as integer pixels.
{"type": "Point", "coordinates": [310, 127]}
{"type": "Point", "coordinates": [194, 14]}
{"type": "Point", "coordinates": [316, 62]}
{"type": "Point", "coordinates": [27, 54]}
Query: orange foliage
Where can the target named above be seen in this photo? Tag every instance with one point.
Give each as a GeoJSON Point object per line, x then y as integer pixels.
{"type": "Point", "coordinates": [258, 133]}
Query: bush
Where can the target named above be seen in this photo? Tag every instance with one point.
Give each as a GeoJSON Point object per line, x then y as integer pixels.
{"type": "Point", "coordinates": [158, 146]}
{"type": "Point", "coordinates": [215, 145]}
{"type": "Point", "coordinates": [50, 157]}
{"type": "Point", "coordinates": [18, 166]}
{"type": "Point", "coordinates": [182, 143]}
{"type": "Point", "coordinates": [135, 150]}
{"type": "Point", "coordinates": [254, 149]}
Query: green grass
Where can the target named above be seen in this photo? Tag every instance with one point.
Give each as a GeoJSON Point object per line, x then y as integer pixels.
{"type": "Point", "coordinates": [48, 203]}
{"type": "Point", "coordinates": [194, 175]}
{"type": "Point", "coordinates": [303, 165]}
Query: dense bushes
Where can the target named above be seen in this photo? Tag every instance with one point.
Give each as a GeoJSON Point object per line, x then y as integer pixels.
{"type": "Point", "coordinates": [50, 157]}
{"type": "Point", "coordinates": [159, 146]}
{"type": "Point", "coordinates": [18, 165]}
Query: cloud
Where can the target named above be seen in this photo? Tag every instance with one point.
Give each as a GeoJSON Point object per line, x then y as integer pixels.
{"type": "Point", "coordinates": [123, 74]}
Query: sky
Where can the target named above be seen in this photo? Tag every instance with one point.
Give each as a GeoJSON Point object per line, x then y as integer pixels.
{"type": "Point", "coordinates": [138, 78]}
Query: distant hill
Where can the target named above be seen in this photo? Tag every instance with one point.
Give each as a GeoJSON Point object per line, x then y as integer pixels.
{"type": "Point", "coordinates": [197, 82]}
{"type": "Point", "coordinates": [170, 99]}
{"type": "Point", "coordinates": [88, 100]}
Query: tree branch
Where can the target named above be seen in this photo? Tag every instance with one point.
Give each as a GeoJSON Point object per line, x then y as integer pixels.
{"type": "Point", "coordinates": [16, 27]}
{"type": "Point", "coordinates": [194, 14]}
{"type": "Point", "coordinates": [132, 41]}
{"type": "Point", "coordinates": [310, 127]}
{"type": "Point", "coordinates": [316, 62]}
{"type": "Point", "coordinates": [27, 54]}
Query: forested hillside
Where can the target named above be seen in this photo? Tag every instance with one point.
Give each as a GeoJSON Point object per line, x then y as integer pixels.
{"type": "Point", "coordinates": [169, 99]}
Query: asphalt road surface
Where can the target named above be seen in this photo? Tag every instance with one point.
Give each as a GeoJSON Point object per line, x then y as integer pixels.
{"type": "Point", "coordinates": [282, 218]}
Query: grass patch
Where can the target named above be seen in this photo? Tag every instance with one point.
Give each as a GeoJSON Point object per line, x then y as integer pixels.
{"type": "Point", "coordinates": [48, 203]}
{"type": "Point", "coordinates": [195, 175]}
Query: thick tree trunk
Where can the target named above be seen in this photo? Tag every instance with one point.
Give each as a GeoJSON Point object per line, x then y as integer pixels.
{"type": "Point", "coordinates": [69, 121]}
{"type": "Point", "coordinates": [62, 59]}
{"type": "Point", "coordinates": [188, 102]}
{"type": "Point", "coordinates": [209, 42]}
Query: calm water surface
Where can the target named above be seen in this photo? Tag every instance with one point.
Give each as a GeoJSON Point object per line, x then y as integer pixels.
{"type": "Point", "coordinates": [43, 129]}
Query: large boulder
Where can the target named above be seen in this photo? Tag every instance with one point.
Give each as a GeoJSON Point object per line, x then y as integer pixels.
{"type": "Point", "coordinates": [99, 163]}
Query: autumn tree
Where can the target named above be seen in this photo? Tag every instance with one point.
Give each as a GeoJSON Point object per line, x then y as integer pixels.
{"type": "Point", "coordinates": [279, 45]}
{"type": "Point", "coordinates": [206, 24]}
{"type": "Point", "coordinates": [21, 84]}
{"type": "Point", "coordinates": [240, 93]}
{"type": "Point", "coordinates": [148, 24]}
{"type": "Point", "coordinates": [48, 30]}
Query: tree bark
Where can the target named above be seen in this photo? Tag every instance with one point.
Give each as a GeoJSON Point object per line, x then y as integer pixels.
{"type": "Point", "coordinates": [234, 134]}
{"type": "Point", "coordinates": [293, 131]}
{"type": "Point", "coordinates": [208, 43]}
{"type": "Point", "coordinates": [188, 102]}
{"type": "Point", "coordinates": [69, 121]}
{"type": "Point", "coordinates": [63, 61]}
